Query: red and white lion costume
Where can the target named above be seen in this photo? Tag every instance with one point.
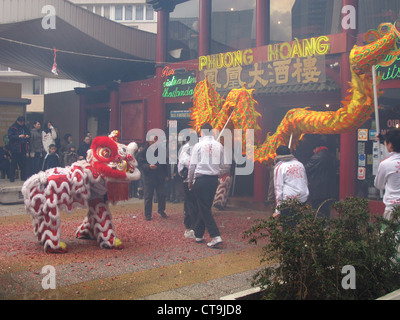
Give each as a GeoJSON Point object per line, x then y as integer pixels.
{"type": "Point", "coordinates": [106, 173]}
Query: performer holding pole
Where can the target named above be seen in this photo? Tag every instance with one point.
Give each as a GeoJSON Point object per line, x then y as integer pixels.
{"type": "Point", "coordinates": [378, 129]}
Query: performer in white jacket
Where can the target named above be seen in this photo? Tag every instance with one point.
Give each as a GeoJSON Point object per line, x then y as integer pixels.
{"type": "Point", "coordinates": [388, 175]}
{"type": "Point", "coordinates": [290, 178]}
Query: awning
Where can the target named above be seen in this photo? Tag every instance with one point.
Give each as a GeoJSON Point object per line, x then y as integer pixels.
{"type": "Point", "coordinates": [91, 49]}
{"type": "Point", "coordinates": [14, 101]}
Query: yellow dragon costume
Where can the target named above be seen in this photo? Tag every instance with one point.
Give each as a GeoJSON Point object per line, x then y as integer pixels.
{"type": "Point", "coordinates": [209, 106]}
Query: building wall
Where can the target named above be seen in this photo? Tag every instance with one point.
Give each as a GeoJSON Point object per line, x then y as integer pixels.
{"type": "Point", "coordinates": [63, 110]}
{"type": "Point", "coordinates": [136, 109]}
{"type": "Point", "coordinates": [9, 113]}
{"type": "Point", "coordinates": [141, 16]}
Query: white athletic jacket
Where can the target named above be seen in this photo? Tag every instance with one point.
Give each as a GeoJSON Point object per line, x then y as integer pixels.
{"type": "Point", "coordinates": [388, 179]}
{"type": "Point", "coordinates": [290, 180]}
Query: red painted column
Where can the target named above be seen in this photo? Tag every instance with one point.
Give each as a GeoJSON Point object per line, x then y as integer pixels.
{"type": "Point", "coordinates": [262, 22]}
{"type": "Point", "coordinates": [157, 112]}
{"type": "Point", "coordinates": [348, 141]}
{"type": "Point", "coordinates": [204, 27]}
{"type": "Point", "coordinates": [262, 38]}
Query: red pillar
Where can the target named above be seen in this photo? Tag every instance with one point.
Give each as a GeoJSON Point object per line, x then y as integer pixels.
{"type": "Point", "coordinates": [262, 22]}
{"type": "Point", "coordinates": [262, 38]}
{"type": "Point", "coordinates": [348, 141]}
{"type": "Point", "coordinates": [204, 27]}
{"type": "Point", "coordinates": [157, 112]}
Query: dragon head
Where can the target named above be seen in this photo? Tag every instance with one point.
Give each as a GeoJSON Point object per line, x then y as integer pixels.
{"type": "Point", "coordinates": [114, 161]}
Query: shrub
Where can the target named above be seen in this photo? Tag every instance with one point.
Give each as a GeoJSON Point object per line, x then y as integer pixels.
{"type": "Point", "coordinates": [310, 253]}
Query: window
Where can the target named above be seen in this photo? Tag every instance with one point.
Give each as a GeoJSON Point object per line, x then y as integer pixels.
{"type": "Point", "coordinates": [232, 25]}
{"type": "Point", "coordinates": [372, 13]}
{"type": "Point", "coordinates": [149, 13]}
{"type": "Point", "coordinates": [118, 12]}
{"type": "Point", "coordinates": [139, 12]}
{"type": "Point", "coordinates": [107, 12]}
{"type": "Point", "coordinates": [36, 86]}
{"type": "Point", "coordinates": [128, 12]}
{"type": "Point", "coordinates": [97, 10]}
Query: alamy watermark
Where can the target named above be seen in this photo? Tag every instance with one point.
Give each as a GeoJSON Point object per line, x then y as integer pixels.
{"type": "Point", "coordinates": [349, 18]}
{"type": "Point", "coordinates": [49, 20]}
{"type": "Point", "coordinates": [349, 280]}
{"type": "Point", "coordinates": [49, 280]}
{"type": "Point", "coordinates": [233, 149]}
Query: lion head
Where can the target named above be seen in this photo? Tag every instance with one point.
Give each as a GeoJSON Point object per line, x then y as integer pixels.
{"type": "Point", "coordinates": [113, 160]}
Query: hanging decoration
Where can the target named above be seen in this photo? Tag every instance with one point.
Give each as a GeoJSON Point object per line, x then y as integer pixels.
{"type": "Point", "coordinates": [54, 68]}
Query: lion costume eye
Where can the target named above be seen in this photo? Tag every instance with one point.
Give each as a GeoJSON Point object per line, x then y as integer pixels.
{"type": "Point", "coordinates": [122, 151]}
{"type": "Point", "coordinates": [104, 152]}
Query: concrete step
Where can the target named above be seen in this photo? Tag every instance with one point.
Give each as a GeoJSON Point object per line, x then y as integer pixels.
{"type": "Point", "coordinates": [10, 192]}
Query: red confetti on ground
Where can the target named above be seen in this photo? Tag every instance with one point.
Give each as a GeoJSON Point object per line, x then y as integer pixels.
{"type": "Point", "coordinates": [147, 244]}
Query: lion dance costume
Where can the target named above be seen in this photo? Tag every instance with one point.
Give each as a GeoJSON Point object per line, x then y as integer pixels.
{"type": "Point", "coordinates": [109, 168]}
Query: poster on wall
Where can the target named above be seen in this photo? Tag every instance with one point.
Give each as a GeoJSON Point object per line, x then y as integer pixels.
{"type": "Point", "coordinates": [362, 160]}
{"type": "Point", "coordinates": [375, 159]}
{"type": "Point", "coordinates": [361, 173]}
{"type": "Point", "coordinates": [362, 135]}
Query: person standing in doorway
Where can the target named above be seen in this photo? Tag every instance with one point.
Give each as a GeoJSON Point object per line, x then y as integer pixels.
{"type": "Point", "coordinates": [206, 164]}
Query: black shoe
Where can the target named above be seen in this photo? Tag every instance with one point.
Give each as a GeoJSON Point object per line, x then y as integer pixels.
{"type": "Point", "coordinates": [148, 218]}
{"type": "Point", "coordinates": [11, 180]}
{"type": "Point", "coordinates": [163, 215]}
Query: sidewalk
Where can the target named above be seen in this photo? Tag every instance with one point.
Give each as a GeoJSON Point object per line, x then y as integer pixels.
{"type": "Point", "coordinates": [157, 263]}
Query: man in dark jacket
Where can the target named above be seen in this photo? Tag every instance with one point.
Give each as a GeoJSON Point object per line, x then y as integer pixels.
{"type": "Point", "coordinates": [154, 177]}
{"type": "Point", "coordinates": [321, 174]}
{"type": "Point", "coordinates": [83, 148]}
{"type": "Point", "coordinates": [19, 136]}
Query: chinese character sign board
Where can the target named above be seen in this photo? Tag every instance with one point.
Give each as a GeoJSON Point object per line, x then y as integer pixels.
{"type": "Point", "coordinates": [284, 64]}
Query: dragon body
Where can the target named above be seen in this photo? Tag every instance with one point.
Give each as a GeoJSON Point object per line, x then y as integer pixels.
{"type": "Point", "coordinates": [356, 108]}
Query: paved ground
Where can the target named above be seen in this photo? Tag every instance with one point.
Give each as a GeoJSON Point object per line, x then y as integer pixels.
{"type": "Point", "coordinates": [157, 263]}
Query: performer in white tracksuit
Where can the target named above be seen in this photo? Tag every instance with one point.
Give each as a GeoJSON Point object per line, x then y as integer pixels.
{"type": "Point", "coordinates": [388, 175]}
{"type": "Point", "coordinates": [290, 178]}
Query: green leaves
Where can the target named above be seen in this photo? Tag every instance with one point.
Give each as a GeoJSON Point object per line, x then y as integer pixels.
{"type": "Point", "coordinates": [310, 252]}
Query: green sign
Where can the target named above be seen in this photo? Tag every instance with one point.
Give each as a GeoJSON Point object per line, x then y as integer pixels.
{"type": "Point", "coordinates": [389, 73]}
{"type": "Point", "coordinates": [179, 85]}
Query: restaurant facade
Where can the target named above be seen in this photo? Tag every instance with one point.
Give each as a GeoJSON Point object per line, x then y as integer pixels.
{"type": "Point", "coordinates": [291, 58]}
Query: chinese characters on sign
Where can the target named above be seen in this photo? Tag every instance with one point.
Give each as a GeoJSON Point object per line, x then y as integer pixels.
{"type": "Point", "coordinates": [289, 63]}
{"type": "Point", "coordinates": [285, 72]}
